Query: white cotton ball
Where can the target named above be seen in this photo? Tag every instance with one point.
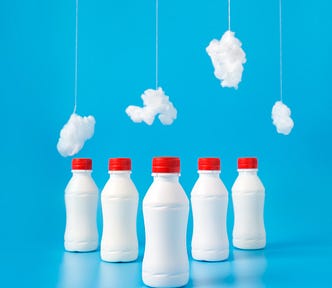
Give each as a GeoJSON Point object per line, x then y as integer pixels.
{"type": "Point", "coordinates": [227, 58]}
{"type": "Point", "coordinates": [155, 102]}
{"type": "Point", "coordinates": [74, 134]}
{"type": "Point", "coordinates": [139, 114]}
{"type": "Point", "coordinates": [281, 118]}
{"type": "Point", "coordinates": [168, 114]}
{"type": "Point", "coordinates": [153, 98]}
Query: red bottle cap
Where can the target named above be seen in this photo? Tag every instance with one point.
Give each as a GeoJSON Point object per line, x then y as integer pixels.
{"type": "Point", "coordinates": [208, 164]}
{"type": "Point", "coordinates": [81, 164]}
{"type": "Point", "coordinates": [166, 165]}
{"type": "Point", "coordinates": [247, 163]}
{"type": "Point", "coordinates": [119, 164]}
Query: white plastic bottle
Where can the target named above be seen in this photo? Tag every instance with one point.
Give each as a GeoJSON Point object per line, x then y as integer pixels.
{"type": "Point", "coordinates": [119, 201]}
{"type": "Point", "coordinates": [209, 201]}
{"type": "Point", "coordinates": [248, 195]}
{"type": "Point", "coordinates": [165, 211]}
{"type": "Point", "coordinates": [81, 197]}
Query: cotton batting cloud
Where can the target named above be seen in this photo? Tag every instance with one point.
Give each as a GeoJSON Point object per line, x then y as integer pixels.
{"type": "Point", "coordinates": [73, 135]}
{"type": "Point", "coordinates": [281, 118]}
{"type": "Point", "coordinates": [155, 102]}
{"type": "Point", "coordinates": [227, 58]}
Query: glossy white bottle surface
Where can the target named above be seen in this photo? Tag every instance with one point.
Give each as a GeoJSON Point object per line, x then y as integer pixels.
{"type": "Point", "coordinates": [209, 201]}
{"type": "Point", "coordinates": [165, 211]}
{"type": "Point", "coordinates": [119, 201]}
{"type": "Point", "coordinates": [248, 195]}
{"type": "Point", "coordinates": [81, 198]}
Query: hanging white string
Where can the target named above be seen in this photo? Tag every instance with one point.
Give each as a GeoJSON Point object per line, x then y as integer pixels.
{"type": "Point", "coordinates": [229, 15]}
{"type": "Point", "coordinates": [157, 39]}
{"type": "Point", "coordinates": [76, 57]}
{"type": "Point", "coordinates": [280, 48]}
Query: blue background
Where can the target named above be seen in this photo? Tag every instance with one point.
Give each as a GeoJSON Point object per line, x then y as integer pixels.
{"type": "Point", "coordinates": [116, 65]}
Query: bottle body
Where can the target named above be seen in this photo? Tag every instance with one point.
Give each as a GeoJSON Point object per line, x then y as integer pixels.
{"type": "Point", "coordinates": [81, 198]}
{"type": "Point", "coordinates": [165, 211]}
{"type": "Point", "coordinates": [119, 200]}
{"type": "Point", "coordinates": [209, 200]}
{"type": "Point", "coordinates": [248, 195]}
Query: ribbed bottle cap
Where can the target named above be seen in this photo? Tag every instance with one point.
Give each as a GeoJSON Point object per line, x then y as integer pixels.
{"type": "Point", "coordinates": [208, 164]}
{"type": "Point", "coordinates": [119, 164]}
{"type": "Point", "coordinates": [247, 163]}
{"type": "Point", "coordinates": [81, 164]}
{"type": "Point", "coordinates": [166, 165]}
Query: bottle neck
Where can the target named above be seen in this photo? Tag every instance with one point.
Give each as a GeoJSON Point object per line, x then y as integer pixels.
{"type": "Point", "coordinates": [81, 172]}
{"type": "Point", "coordinates": [209, 173]}
{"type": "Point", "coordinates": [166, 176]}
{"type": "Point", "coordinates": [247, 171]}
{"type": "Point", "coordinates": [119, 174]}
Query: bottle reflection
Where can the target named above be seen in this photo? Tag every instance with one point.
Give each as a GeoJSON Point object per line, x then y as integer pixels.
{"type": "Point", "coordinates": [249, 268]}
{"type": "Point", "coordinates": [79, 270]}
{"type": "Point", "coordinates": [210, 274]}
{"type": "Point", "coordinates": [119, 274]}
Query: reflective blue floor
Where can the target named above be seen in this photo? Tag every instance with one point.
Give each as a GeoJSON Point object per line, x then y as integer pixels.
{"type": "Point", "coordinates": [280, 265]}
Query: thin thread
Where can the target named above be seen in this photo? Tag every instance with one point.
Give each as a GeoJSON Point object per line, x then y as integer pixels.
{"type": "Point", "coordinates": [157, 40]}
{"type": "Point", "coordinates": [229, 15]}
{"type": "Point", "coordinates": [76, 57]}
{"type": "Point", "coordinates": [280, 48]}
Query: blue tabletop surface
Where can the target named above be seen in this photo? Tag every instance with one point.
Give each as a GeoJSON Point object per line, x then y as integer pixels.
{"type": "Point", "coordinates": [284, 264]}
